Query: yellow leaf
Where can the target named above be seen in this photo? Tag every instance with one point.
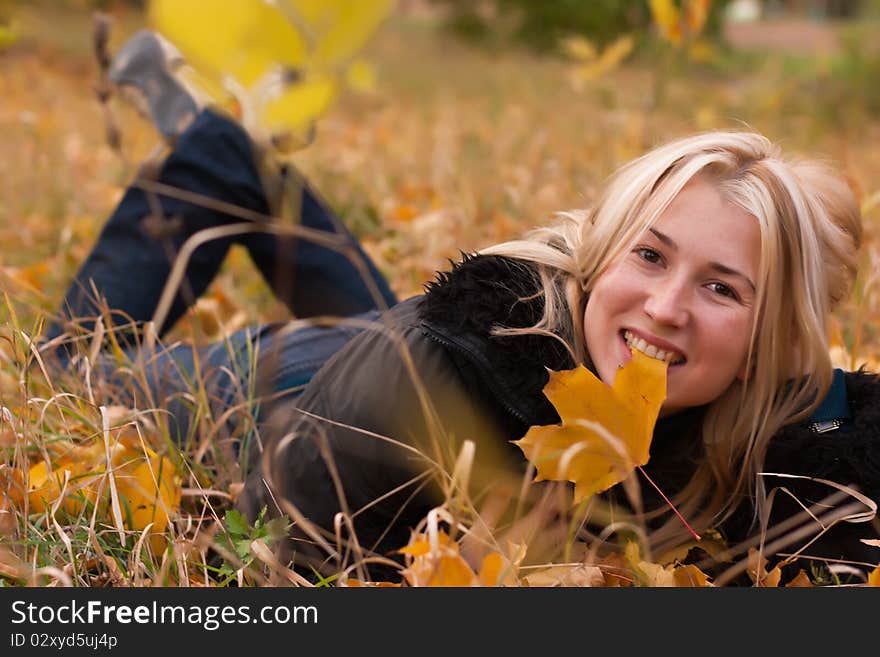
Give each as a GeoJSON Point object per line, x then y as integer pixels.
{"type": "Point", "coordinates": [695, 14]}
{"type": "Point", "coordinates": [299, 105]}
{"type": "Point", "coordinates": [8, 35]}
{"type": "Point", "coordinates": [605, 431]}
{"type": "Point", "coordinates": [361, 77]}
{"type": "Point", "coordinates": [874, 577]}
{"type": "Point", "coordinates": [667, 18]}
{"type": "Point", "coordinates": [702, 51]}
{"type": "Point", "coordinates": [688, 575]}
{"type": "Point", "coordinates": [610, 59]}
{"type": "Point", "coordinates": [11, 484]}
{"type": "Point", "coordinates": [249, 45]}
{"type": "Point", "coordinates": [146, 483]}
{"type": "Point", "coordinates": [244, 40]}
{"type": "Point", "coordinates": [578, 47]}
{"type": "Point", "coordinates": [151, 491]}
{"type": "Point", "coordinates": [669, 575]}
{"type": "Point", "coordinates": [496, 570]}
{"type": "Point", "coordinates": [338, 28]}
{"type": "Point", "coordinates": [437, 566]}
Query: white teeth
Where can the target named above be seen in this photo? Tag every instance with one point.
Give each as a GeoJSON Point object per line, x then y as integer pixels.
{"type": "Point", "coordinates": [651, 350]}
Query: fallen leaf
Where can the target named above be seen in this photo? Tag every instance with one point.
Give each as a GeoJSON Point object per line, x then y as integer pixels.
{"type": "Point", "coordinates": [442, 565]}
{"type": "Point", "coordinates": [757, 570]}
{"type": "Point", "coordinates": [874, 577]}
{"type": "Point", "coordinates": [575, 575]}
{"type": "Point", "coordinates": [800, 580]}
{"type": "Point", "coordinates": [665, 575]}
{"type": "Point", "coordinates": [147, 484]}
{"type": "Point", "coordinates": [605, 431]}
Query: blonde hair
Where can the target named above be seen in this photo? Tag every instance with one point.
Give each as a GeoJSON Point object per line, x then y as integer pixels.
{"type": "Point", "coordinates": [810, 226]}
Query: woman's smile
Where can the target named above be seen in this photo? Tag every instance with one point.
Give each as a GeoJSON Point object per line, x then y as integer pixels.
{"type": "Point", "coordinates": [684, 294]}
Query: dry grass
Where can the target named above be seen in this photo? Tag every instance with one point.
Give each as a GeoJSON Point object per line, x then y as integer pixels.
{"type": "Point", "coordinates": [458, 149]}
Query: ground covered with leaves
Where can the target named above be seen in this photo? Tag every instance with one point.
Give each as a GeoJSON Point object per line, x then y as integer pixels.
{"type": "Point", "coordinates": [453, 149]}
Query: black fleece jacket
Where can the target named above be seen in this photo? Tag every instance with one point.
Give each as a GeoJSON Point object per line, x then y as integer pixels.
{"type": "Point", "coordinates": [404, 396]}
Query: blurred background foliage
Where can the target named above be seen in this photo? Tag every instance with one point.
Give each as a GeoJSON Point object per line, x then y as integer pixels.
{"type": "Point", "coordinates": [488, 116]}
{"type": "Point", "coordinates": [541, 25]}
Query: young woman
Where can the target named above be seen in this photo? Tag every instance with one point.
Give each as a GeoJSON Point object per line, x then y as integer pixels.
{"type": "Point", "coordinates": [713, 253]}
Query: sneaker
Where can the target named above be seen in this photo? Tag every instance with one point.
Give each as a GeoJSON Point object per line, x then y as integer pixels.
{"type": "Point", "coordinates": [144, 70]}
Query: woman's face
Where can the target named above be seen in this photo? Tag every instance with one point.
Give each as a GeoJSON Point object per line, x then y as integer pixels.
{"type": "Point", "coordinates": [685, 293]}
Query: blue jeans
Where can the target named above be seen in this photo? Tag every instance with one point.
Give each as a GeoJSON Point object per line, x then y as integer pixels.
{"type": "Point", "coordinates": [125, 274]}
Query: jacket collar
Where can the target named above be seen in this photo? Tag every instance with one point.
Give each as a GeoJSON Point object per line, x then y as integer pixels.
{"type": "Point", "coordinates": [463, 306]}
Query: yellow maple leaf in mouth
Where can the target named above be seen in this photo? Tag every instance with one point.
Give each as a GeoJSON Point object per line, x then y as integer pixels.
{"type": "Point", "coordinates": [605, 432]}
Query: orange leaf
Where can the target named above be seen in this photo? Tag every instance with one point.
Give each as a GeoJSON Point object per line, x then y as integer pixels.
{"type": "Point", "coordinates": [494, 570]}
{"type": "Point", "coordinates": [757, 570]}
{"type": "Point", "coordinates": [437, 566]}
{"type": "Point", "coordinates": [695, 14]}
{"type": "Point", "coordinates": [605, 431]}
{"type": "Point", "coordinates": [689, 575]}
{"type": "Point", "coordinates": [874, 577]}
{"type": "Point", "coordinates": [800, 580]}
{"type": "Point", "coordinates": [667, 18]}
{"type": "Point", "coordinates": [147, 484]}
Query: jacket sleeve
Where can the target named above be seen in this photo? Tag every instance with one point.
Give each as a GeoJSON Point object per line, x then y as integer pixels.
{"type": "Point", "coordinates": [374, 435]}
{"type": "Point", "coordinates": [842, 463]}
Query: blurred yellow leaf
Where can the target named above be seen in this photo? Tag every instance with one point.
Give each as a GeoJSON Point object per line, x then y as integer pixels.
{"type": "Point", "coordinates": [605, 431]}
{"type": "Point", "coordinates": [8, 35]}
{"type": "Point", "coordinates": [610, 59]}
{"type": "Point", "coordinates": [283, 61]}
{"type": "Point", "coordinates": [299, 104]}
{"type": "Point", "coordinates": [667, 18]}
{"type": "Point", "coordinates": [147, 484]}
{"type": "Point", "coordinates": [674, 24]}
{"type": "Point", "coordinates": [33, 276]}
{"type": "Point", "coordinates": [361, 76]}
{"type": "Point", "coordinates": [442, 565]}
{"type": "Point", "coordinates": [244, 40]}
{"type": "Point", "coordinates": [580, 48]}
{"type": "Point", "coordinates": [696, 12]}
{"type": "Point", "coordinates": [702, 51]}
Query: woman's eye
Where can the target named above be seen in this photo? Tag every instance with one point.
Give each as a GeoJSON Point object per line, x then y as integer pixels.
{"type": "Point", "coordinates": [648, 255]}
{"type": "Point", "coordinates": [723, 290]}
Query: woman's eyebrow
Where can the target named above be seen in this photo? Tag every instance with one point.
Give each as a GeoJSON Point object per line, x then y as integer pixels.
{"type": "Point", "coordinates": [717, 266]}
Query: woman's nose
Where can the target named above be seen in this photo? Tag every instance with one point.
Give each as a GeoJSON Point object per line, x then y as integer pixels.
{"type": "Point", "coordinates": [667, 303]}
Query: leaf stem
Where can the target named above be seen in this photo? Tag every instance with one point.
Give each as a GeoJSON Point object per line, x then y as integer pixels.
{"type": "Point", "coordinates": [671, 505]}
